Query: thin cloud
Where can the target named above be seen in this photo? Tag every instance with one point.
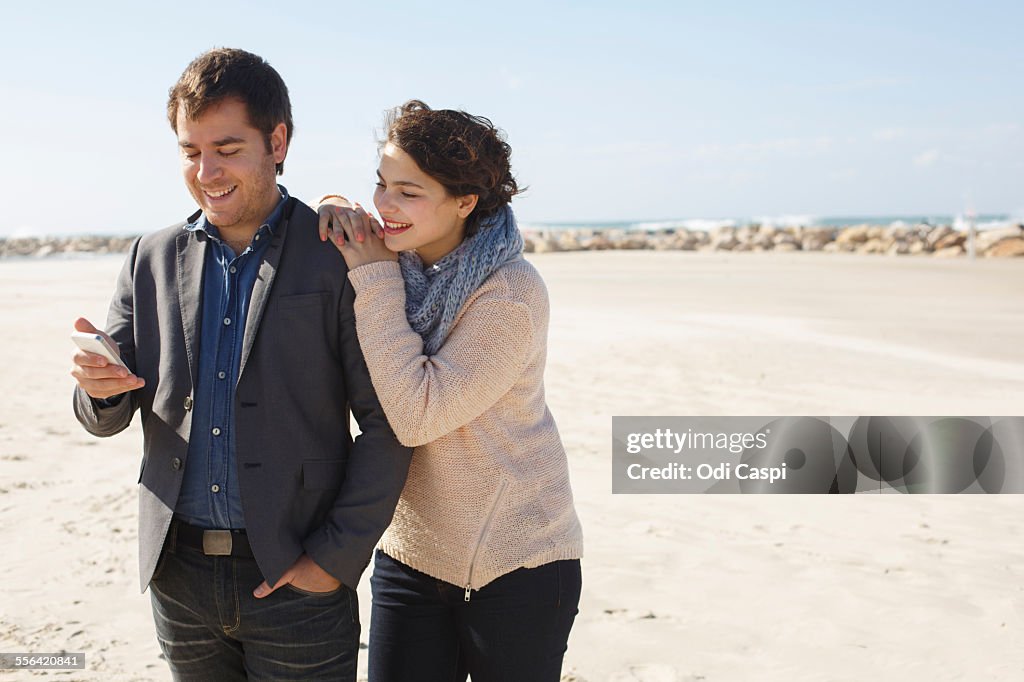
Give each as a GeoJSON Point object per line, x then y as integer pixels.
{"type": "Point", "coordinates": [927, 158]}
{"type": "Point", "coordinates": [750, 151]}
{"type": "Point", "coordinates": [888, 134]}
{"type": "Point", "coordinates": [1002, 129]}
{"type": "Point", "coordinates": [513, 81]}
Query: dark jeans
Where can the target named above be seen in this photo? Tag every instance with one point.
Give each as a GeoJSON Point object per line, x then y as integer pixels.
{"type": "Point", "coordinates": [515, 629]}
{"type": "Point", "coordinates": [211, 627]}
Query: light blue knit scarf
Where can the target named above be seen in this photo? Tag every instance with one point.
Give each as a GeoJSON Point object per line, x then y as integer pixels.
{"type": "Point", "coordinates": [433, 295]}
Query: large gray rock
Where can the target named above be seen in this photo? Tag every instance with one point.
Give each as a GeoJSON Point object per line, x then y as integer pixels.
{"type": "Point", "coordinates": [873, 245]}
{"type": "Point", "coordinates": [724, 241]}
{"type": "Point", "coordinates": [937, 234]}
{"type": "Point", "coordinates": [813, 243]}
{"type": "Point", "coordinates": [1006, 248]}
{"type": "Point", "coordinates": [949, 252]}
{"type": "Point", "coordinates": [785, 238]}
{"type": "Point", "coordinates": [898, 232]}
{"type": "Point", "coordinates": [723, 233]}
{"type": "Point", "coordinates": [632, 243]}
{"type": "Point", "coordinates": [899, 247]}
{"type": "Point", "coordinates": [544, 245]}
{"type": "Point", "coordinates": [747, 234]}
{"type": "Point", "coordinates": [568, 242]}
{"type": "Point", "coordinates": [876, 232]}
{"type": "Point", "coordinates": [950, 239]}
{"type": "Point", "coordinates": [686, 241]}
{"type": "Point", "coordinates": [858, 234]}
{"type": "Point", "coordinates": [989, 238]}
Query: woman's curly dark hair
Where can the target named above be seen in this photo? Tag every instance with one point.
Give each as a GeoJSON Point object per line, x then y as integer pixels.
{"type": "Point", "coordinates": [465, 153]}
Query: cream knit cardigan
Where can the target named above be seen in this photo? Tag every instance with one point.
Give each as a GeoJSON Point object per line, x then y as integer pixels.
{"type": "Point", "coordinates": [488, 490]}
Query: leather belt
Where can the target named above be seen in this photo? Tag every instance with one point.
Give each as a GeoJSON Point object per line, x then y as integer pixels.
{"type": "Point", "coordinates": [233, 543]}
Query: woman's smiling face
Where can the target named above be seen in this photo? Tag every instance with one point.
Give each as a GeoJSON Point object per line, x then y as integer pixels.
{"type": "Point", "coordinates": [416, 211]}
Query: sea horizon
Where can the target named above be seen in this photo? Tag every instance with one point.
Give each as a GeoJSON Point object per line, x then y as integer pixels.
{"type": "Point", "coordinates": [960, 222]}
{"type": "Point", "coordinates": [982, 222]}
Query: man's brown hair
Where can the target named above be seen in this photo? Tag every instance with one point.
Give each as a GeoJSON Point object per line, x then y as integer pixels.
{"type": "Point", "coordinates": [224, 73]}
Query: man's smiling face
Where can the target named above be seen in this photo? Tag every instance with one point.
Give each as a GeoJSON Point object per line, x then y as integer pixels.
{"type": "Point", "coordinates": [227, 165]}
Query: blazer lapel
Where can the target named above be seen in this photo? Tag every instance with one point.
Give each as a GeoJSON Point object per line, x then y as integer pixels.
{"type": "Point", "coordinates": [191, 261]}
{"type": "Point", "coordinates": [261, 289]}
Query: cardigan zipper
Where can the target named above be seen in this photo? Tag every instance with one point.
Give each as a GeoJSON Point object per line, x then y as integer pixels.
{"type": "Point", "coordinates": [483, 535]}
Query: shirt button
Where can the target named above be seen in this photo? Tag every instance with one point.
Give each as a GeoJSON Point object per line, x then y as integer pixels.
{"type": "Point", "coordinates": [216, 431]}
{"type": "Point", "coordinates": [256, 238]}
{"type": "Point", "coordinates": [221, 375]}
{"type": "Point", "coordinates": [215, 488]}
{"type": "Point", "coordinates": [188, 403]}
{"type": "Point", "coordinates": [232, 269]}
{"type": "Point", "coordinates": [176, 463]}
{"type": "Point", "coordinates": [227, 321]}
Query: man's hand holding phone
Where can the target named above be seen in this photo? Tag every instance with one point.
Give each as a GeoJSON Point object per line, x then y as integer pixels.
{"type": "Point", "coordinates": [97, 365]}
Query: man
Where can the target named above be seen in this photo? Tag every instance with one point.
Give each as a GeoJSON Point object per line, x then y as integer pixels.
{"type": "Point", "coordinates": [257, 513]}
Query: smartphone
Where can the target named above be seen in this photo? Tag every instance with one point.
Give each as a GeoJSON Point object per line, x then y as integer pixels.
{"type": "Point", "coordinates": [95, 343]}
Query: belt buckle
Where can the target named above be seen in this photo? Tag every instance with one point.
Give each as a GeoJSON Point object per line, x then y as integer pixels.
{"type": "Point", "coordinates": [217, 542]}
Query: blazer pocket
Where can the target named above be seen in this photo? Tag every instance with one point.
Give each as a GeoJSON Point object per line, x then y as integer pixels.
{"type": "Point", "coordinates": [322, 474]}
{"type": "Point", "coordinates": [296, 301]}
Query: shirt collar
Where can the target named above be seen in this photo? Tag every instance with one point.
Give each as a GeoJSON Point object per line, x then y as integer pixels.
{"type": "Point", "coordinates": [269, 225]}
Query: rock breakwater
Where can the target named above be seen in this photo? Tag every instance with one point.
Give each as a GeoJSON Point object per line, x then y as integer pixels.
{"type": "Point", "coordinates": [939, 241]}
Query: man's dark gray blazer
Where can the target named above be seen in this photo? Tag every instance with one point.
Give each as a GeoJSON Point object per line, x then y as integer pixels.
{"type": "Point", "coordinates": [305, 486]}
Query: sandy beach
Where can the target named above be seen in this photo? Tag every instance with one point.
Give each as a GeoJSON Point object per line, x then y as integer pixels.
{"type": "Point", "coordinates": [676, 588]}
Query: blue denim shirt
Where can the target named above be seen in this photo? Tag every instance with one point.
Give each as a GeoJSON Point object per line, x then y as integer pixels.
{"type": "Point", "coordinates": [209, 492]}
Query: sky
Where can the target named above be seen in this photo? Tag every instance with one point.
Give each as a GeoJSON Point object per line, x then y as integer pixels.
{"type": "Point", "coordinates": [614, 110]}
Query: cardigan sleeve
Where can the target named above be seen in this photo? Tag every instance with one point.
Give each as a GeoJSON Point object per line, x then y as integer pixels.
{"type": "Point", "coordinates": [426, 397]}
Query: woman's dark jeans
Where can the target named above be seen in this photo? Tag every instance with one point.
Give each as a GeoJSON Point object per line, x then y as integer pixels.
{"type": "Point", "coordinates": [514, 629]}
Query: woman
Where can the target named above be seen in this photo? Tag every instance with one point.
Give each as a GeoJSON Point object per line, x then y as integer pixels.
{"type": "Point", "coordinates": [479, 571]}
